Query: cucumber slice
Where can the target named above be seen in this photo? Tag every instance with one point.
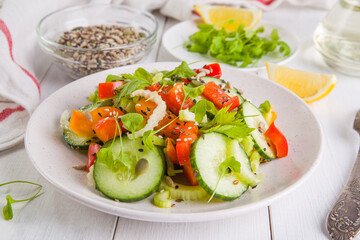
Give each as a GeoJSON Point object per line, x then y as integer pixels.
{"type": "Point", "coordinates": [122, 183]}
{"type": "Point", "coordinates": [260, 144]}
{"type": "Point", "coordinates": [230, 91]}
{"type": "Point", "coordinates": [206, 155]}
{"type": "Point", "coordinates": [246, 174]}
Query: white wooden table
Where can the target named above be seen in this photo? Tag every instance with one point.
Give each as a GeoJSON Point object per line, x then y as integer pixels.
{"type": "Point", "coordinates": [299, 215]}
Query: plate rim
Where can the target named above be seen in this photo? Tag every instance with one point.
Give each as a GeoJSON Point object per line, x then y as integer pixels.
{"type": "Point", "coordinates": [166, 216]}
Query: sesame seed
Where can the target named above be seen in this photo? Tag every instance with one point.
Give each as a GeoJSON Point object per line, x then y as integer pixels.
{"type": "Point", "coordinates": [173, 133]}
{"type": "Point", "coordinates": [185, 140]}
{"type": "Point", "coordinates": [196, 173]}
{"type": "Point", "coordinates": [142, 142]}
{"type": "Point", "coordinates": [106, 109]}
{"type": "Point", "coordinates": [93, 154]}
{"type": "Point", "coordinates": [176, 128]}
{"type": "Point", "coordinates": [100, 114]}
{"type": "Point", "coordinates": [94, 131]}
{"type": "Point", "coordinates": [143, 112]}
{"type": "Point", "coordinates": [179, 200]}
{"type": "Point", "coordinates": [148, 109]}
{"type": "Point", "coordinates": [268, 144]}
{"type": "Point", "coordinates": [169, 117]}
{"type": "Point", "coordinates": [176, 186]}
{"type": "Point", "coordinates": [182, 130]}
{"type": "Point", "coordinates": [203, 137]}
{"type": "Point", "coordinates": [177, 123]}
{"type": "Point", "coordinates": [236, 182]}
{"type": "Point", "coordinates": [264, 149]}
{"type": "Point", "coordinates": [187, 134]}
{"type": "Point", "coordinates": [173, 205]}
{"type": "Point", "coordinates": [194, 100]}
{"type": "Point", "coordinates": [141, 150]}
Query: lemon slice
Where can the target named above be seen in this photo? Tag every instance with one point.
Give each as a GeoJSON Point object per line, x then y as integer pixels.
{"type": "Point", "coordinates": [221, 15]}
{"type": "Point", "coordinates": [307, 85]}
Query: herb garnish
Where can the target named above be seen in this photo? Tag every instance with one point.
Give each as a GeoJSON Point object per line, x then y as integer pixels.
{"type": "Point", "coordinates": [229, 164]}
{"type": "Point", "coordinates": [7, 210]}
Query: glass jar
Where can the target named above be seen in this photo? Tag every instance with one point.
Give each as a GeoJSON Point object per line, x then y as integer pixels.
{"type": "Point", "coordinates": [337, 37]}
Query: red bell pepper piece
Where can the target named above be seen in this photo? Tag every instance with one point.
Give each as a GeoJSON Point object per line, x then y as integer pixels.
{"type": "Point", "coordinates": [92, 151]}
{"type": "Point", "coordinates": [278, 140]}
{"type": "Point", "coordinates": [215, 70]}
{"type": "Point", "coordinates": [108, 89]}
{"type": "Point", "coordinates": [183, 143]}
{"type": "Point", "coordinates": [175, 97]}
{"type": "Point", "coordinates": [105, 129]}
{"type": "Point", "coordinates": [218, 97]}
{"type": "Point", "coordinates": [171, 152]}
{"type": "Point", "coordinates": [189, 174]}
{"type": "Point", "coordinates": [103, 112]}
{"type": "Point", "coordinates": [80, 124]}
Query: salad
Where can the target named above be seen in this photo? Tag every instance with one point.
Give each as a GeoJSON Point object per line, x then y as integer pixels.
{"type": "Point", "coordinates": [186, 134]}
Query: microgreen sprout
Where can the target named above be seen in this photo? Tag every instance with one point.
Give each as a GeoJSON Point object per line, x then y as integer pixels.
{"type": "Point", "coordinates": [7, 210]}
{"type": "Point", "coordinates": [228, 165]}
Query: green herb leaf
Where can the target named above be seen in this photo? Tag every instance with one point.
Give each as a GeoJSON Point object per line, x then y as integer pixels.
{"type": "Point", "coordinates": [230, 163]}
{"type": "Point", "coordinates": [183, 71]}
{"type": "Point", "coordinates": [131, 86]}
{"type": "Point", "coordinates": [114, 78]}
{"type": "Point", "coordinates": [105, 155]}
{"type": "Point", "coordinates": [224, 167]}
{"type": "Point", "coordinates": [265, 107]}
{"type": "Point", "coordinates": [148, 139]}
{"type": "Point", "coordinates": [232, 131]}
{"type": "Point", "coordinates": [200, 109]}
{"type": "Point", "coordinates": [274, 35]}
{"type": "Point", "coordinates": [7, 210]}
{"type": "Point", "coordinates": [132, 121]}
{"type": "Point", "coordinates": [193, 92]}
{"type": "Point", "coordinates": [125, 159]}
{"type": "Point", "coordinates": [140, 74]}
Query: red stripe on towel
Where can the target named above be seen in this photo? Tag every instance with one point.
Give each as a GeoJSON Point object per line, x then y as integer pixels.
{"type": "Point", "coordinates": [8, 111]}
{"type": "Point", "coordinates": [7, 34]}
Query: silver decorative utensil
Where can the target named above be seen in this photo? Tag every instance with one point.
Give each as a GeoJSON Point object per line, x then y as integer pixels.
{"type": "Point", "coordinates": [343, 221]}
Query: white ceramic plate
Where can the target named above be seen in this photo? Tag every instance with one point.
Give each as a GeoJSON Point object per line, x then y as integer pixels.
{"type": "Point", "coordinates": [55, 160]}
{"type": "Point", "coordinates": [175, 37]}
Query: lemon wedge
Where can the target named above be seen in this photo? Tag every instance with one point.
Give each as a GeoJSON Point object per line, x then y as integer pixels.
{"type": "Point", "coordinates": [309, 86]}
{"type": "Point", "coordinates": [222, 15]}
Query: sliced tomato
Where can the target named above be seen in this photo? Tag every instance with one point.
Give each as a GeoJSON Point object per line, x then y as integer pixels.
{"type": "Point", "coordinates": [103, 112]}
{"type": "Point", "coordinates": [92, 151]}
{"type": "Point", "coordinates": [105, 129]}
{"type": "Point", "coordinates": [215, 70]}
{"type": "Point", "coordinates": [278, 140]}
{"type": "Point", "coordinates": [80, 124]}
{"type": "Point", "coordinates": [109, 89]}
{"type": "Point", "coordinates": [189, 174]}
{"type": "Point", "coordinates": [171, 151]}
{"type": "Point", "coordinates": [218, 97]}
{"type": "Point", "coordinates": [174, 99]}
{"type": "Point", "coordinates": [145, 108]}
{"type": "Point", "coordinates": [156, 87]}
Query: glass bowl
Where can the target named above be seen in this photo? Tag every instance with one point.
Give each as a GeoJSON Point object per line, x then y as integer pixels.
{"type": "Point", "coordinates": [70, 38]}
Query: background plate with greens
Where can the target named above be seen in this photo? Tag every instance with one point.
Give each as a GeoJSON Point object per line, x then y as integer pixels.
{"type": "Point", "coordinates": [175, 37]}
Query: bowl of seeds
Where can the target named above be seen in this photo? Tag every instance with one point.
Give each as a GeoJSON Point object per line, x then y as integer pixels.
{"type": "Point", "coordinates": [90, 38]}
